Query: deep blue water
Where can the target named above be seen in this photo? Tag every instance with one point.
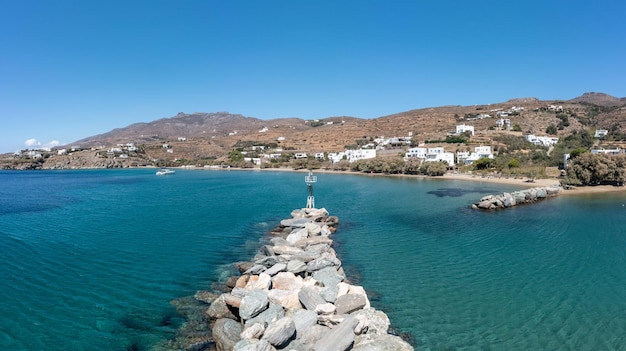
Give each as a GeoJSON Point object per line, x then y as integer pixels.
{"type": "Point", "coordinates": [91, 259]}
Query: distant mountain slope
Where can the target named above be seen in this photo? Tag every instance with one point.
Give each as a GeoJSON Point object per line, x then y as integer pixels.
{"type": "Point", "coordinates": [192, 125]}
{"type": "Point", "coordinates": [223, 130]}
{"type": "Point", "coordinates": [599, 99]}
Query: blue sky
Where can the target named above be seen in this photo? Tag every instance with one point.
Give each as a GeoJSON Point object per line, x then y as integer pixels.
{"type": "Point", "coordinates": [76, 68]}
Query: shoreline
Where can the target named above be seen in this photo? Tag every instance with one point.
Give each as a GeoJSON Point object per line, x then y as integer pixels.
{"type": "Point", "coordinates": [522, 182]}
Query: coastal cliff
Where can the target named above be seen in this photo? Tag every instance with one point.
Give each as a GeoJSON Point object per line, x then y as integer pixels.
{"type": "Point", "coordinates": [294, 295]}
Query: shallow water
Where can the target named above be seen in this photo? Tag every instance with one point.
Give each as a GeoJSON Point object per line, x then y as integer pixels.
{"type": "Point", "coordinates": [91, 259]}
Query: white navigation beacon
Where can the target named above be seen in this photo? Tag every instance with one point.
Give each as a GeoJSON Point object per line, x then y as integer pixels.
{"type": "Point", "coordinates": [309, 180]}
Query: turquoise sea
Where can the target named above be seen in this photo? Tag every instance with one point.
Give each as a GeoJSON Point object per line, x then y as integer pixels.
{"type": "Point", "coordinates": [91, 259]}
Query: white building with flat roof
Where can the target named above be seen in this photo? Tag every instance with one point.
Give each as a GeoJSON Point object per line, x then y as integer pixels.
{"type": "Point", "coordinates": [464, 128]}
{"type": "Point", "coordinates": [430, 154]}
{"type": "Point", "coordinates": [541, 140]}
{"type": "Point", "coordinates": [606, 151]}
{"type": "Point", "coordinates": [601, 133]}
{"type": "Point", "coordinates": [416, 152]}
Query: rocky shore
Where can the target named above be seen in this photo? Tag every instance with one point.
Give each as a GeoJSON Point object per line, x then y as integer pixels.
{"type": "Point", "coordinates": [505, 200]}
{"type": "Point", "coordinates": [294, 295]}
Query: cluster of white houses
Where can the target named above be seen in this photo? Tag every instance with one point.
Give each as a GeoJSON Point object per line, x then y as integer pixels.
{"type": "Point", "coordinates": [433, 154]}
{"type": "Point", "coordinates": [429, 154]}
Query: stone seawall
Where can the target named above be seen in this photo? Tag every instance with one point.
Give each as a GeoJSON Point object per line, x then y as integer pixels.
{"type": "Point", "coordinates": [505, 200]}
{"type": "Point", "coordinates": [294, 295]}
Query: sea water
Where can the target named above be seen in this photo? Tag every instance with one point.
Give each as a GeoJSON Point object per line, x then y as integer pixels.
{"type": "Point", "coordinates": [91, 259]}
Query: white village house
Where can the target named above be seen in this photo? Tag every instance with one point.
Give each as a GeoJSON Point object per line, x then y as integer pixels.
{"type": "Point", "coordinates": [601, 133]}
{"type": "Point", "coordinates": [615, 151]}
{"type": "Point", "coordinates": [464, 128]}
{"type": "Point", "coordinates": [503, 123]}
{"type": "Point", "coordinates": [542, 140]}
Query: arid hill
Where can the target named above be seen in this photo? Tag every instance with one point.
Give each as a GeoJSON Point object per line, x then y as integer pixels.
{"type": "Point", "coordinates": [204, 136]}
{"type": "Point", "coordinates": [595, 110]}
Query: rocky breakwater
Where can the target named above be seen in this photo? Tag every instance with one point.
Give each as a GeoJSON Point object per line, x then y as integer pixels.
{"type": "Point", "coordinates": [505, 200]}
{"type": "Point", "coordinates": [294, 295]}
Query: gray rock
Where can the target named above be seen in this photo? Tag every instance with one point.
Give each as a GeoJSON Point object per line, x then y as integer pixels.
{"type": "Point", "coordinates": [320, 247]}
{"type": "Point", "coordinates": [330, 320]}
{"type": "Point", "coordinates": [325, 308]}
{"type": "Point", "coordinates": [286, 249]}
{"type": "Point", "coordinates": [256, 269]}
{"type": "Point", "coordinates": [311, 335]}
{"type": "Point", "coordinates": [486, 198]}
{"type": "Point", "coordinates": [508, 200]}
{"type": "Point", "coordinates": [519, 196]}
{"type": "Point", "coordinates": [296, 266]}
{"type": "Point", "coordinates": [254, 345]}
{"type": "Point", "coordinates": [313, 228]}
{"type": "Point", "coordinates": [316, 212]}
{"type": "Point", "coordinates": [553, 190]}
{"type": "Point", "coordinates": [297, 235]}
{"type": "Point", "coordinates": [267, 250]}
{"type": "Point", "coordinates": [273, 313]}
{"type": "Point", "coordinates": [244, 266]}
{"type": "Point", "coordinates": [329, 276]}
{"type": "Point", "coordinates": [295, 222]}
{"type": "Point", "coordinates": [239, 292]}
{"type": "Point", "coordinates": [254, 331]}
{"type": "Point", "coordinates": [252, 304]}
{"type": "Point", "coordinates": [266, 261]}
{"type": "Point", "coordinates": [278, 267]}
{"type": "Point", "coordinates": [310, 298]}
{"type": "Point", "coordinates": [280, 332]}
{"type": "Point", "coordinates": [226, 334]}
{"type": "Point", "coordinates": [378, 322]}
{"type": "Point", "coordinates": [499, 203]}
{"type": "Point", "coordinates": [279, 241]}
{"type": "Point", "coordinates": [307, 243]}
{"type": "Point", "coordinates": [322, 262]}
{"type": "Point", "coordinates": [541, 193]}
{"type": "Point", "coordinates": [381, 342]}
{"type": "Point", "coordinates": [303, 319]}
{"type": "Point", "coordinates": [305, 257]}
{"type": "Point", "coordinates": [350, 303]}
{"type": "Point", "coordinates": [485, 204]}
{"type": "Point", "coordinates": [340, 338]}
{"type": "Point", "coordinates": [330, 293]}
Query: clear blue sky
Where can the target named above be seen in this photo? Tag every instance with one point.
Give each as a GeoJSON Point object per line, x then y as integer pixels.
{"type": "Point", "coordinates": [75, 68]}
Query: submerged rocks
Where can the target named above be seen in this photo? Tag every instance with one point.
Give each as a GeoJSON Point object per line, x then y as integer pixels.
{"type": "Point", "coordinates": [294, 296]}
{"type": "Point", "coordinates": [505, 200]}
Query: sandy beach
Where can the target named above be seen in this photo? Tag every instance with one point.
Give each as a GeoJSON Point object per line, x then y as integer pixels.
{"type": "Point", "coordinates": [523, 182]}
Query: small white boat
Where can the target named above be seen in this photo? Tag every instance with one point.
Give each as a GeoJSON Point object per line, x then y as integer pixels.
{"type": "Point", "coordinates": [165, 171]}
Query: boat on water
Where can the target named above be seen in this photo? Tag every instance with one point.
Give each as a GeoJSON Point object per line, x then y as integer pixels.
{"type": "Point", "coordinates": [165, 171]}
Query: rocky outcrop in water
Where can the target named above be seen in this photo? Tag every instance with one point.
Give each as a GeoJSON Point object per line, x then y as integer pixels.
{"type": "Point", "coordinates": [294, 295]}
{"type": "Point", "coordinates": [505, 200]}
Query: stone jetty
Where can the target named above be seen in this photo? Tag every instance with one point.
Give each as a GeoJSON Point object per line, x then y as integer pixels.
{"type": "Point", "coordinates": [294, 295]}
{"type": "Point", "coordinates": [505, 200]}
